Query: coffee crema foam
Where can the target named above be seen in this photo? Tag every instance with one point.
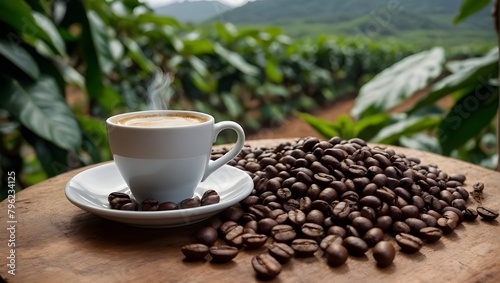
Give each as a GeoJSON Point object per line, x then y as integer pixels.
{"type": "Point", "coordinates": [155, 120]}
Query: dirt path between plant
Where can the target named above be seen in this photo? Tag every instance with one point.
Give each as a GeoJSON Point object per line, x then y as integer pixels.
{"type": "Point", "coordinates": [295, 127]}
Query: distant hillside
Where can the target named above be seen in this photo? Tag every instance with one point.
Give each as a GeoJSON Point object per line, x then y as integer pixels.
{"type": "Point", "coordinates": [193, 12]}
{"type": "Point", "coordinates": [426, 22]}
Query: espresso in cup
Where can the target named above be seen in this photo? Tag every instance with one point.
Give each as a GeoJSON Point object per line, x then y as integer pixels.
{"type": "Point", "coordinates": [166, 154]}
{"type": "Point", "coordinates": [160, 120]}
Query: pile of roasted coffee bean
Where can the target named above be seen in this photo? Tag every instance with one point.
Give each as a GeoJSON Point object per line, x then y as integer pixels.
{"type": "Point", "coordinates": [335, 198]}
{"type": "Point", "coordinates": [122, 201]}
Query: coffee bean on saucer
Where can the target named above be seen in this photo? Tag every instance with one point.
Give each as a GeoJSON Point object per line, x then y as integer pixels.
{"type": "Point", "coordinates": [190, 202]}
{"type": "Point", "coordinates": [117, 203]}
{"type": "Point", "coordinates": [210, 197]}
{"type": "Point", "coordinates": [149, 204]}
{"type": "Point", "coordinates": [168, 205]}
{"type": "Point", "coordinates": [114, 195]}
{"type": "Point", "coordinates": [130, 206]}
{"type": "Point", "coordinates": [195, 252]}
{"type": "Point", "coordinates": [223, 253]}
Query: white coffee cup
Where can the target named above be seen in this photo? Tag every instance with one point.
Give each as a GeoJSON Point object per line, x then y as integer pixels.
{"type": "Point", "coordinates": [165, 154]}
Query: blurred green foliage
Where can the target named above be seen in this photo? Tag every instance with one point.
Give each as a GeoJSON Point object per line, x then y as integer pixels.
{"type": "Point", "coordinates": [464, 128]}
{"type": "Point", "coordinates": [65, 66]}
{"type": "Point", "coordinates": [68, 65]}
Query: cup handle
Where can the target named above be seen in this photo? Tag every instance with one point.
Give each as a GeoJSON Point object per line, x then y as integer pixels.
{"type": "Point", "coordinates": [238, 146]}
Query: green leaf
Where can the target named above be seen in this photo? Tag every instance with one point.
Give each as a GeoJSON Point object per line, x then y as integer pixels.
{"type": "Point", "coordinates": [205, 84]}
{"type": "Point", "coordinates": [236, 60]}
{"type": "Point", "coordinates": [18, 15]}
{"type": "Point", "coordinates": [136, 54]}
{"type": "Point", "coordinates": [273, 72]}
{"type": "Point", "coordinates": [421, 142]}
{"type": "Point", "coordinates": [232, 105]}
{"type": "Point", "coordinates": [398, 82]}
{"type": "Point", "coordinates": [405, 125]}
{"type": "Point", "coordinates": [369, 126]}
{"type": "Point", "coordinates": [70, 75]}
{"type": "Point", "coordinates": [51, 31]}
{"type": "Point", "coordinates": [324, 127]}
{"type": "Point", "coordinates": [155, 19]}
{"type": "Point", "coordinates": [467, 118]}
{"type": "Point", "coordinates": [101, 42]}
{"type": "Point", "coordinates": [95, 138]}
{"type": "Point", "coordinates": [470, 7]}
{"type": "Point", "coordinates": [43, 110]}
{"type": "Point", "coordinates": [20, 58]}
{"type": "Point", "coordinates": [469, 74]}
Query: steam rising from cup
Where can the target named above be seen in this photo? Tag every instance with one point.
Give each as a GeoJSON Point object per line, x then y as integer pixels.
{"type": "Point", "coordinates": [159, 91]}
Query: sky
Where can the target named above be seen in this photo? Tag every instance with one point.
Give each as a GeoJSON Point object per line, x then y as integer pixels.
{"type": "Point", "coordinates": [155, 3]}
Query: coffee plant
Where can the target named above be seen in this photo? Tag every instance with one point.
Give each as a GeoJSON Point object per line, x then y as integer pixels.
{"type": "Point", "coordinates": [464, 130]}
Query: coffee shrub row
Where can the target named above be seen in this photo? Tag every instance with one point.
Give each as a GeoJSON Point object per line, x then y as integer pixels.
{"type": "Point", "coordinates": [122, 201]}
{"type": "Point", "coordinates": [337, 198]}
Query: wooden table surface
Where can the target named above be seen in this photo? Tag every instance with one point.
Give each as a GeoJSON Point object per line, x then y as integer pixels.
{"type": "Point", "coordinates": [58, 242]}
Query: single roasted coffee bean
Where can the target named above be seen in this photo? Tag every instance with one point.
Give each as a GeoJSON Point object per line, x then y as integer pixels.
{"type": "Point", "coordinates": [400, 227]}
{"type": "Point", "coordinates": [232, 213]}
{"type": "Point", "coordinates": [429, 220]}
{"type": "Point", "coordinates": [210, 197]}
{"type": "Point", "coordinates": [190, 202]}
{"type": "Point", "coordinates": [408, 243]}
{"type": "Point", "coordinates": [283, 233]}
{"type": "Point", "coordinates": [355, 246]}
{"type": "Point", "coordinates": [470, 214]}
{"type": "Point", "coordinates": [410, 211]}
{"type": "Point", "coordinates": [457, 211]}
{"type": "Point", "coordinates": [265, 225]}
{"type": "Point", "coordinates": [362, 224]}
{"type": "Point", "coordinates": [312, 230]}
{"type": "Point", "coordinates": [168, 205]}
{"type": "Point", "coordinates": [330, 239]}
{"type": "Point", "coordinates": [149, 204]}
{"type": "Point", "coordinates": [207, 235]}
{"type": "Point", "coordinates": [280, 251]}
{"type": "Point", "coordinates": [336, 254]}
{"type": "Point", "coordinates": [254, 241]}
{"type": "Point", "coordinates": [337, 230]}
{"type": "Point", "coordinates": [304, 247]}
{"type": "Point", "coordinates": [234, 236]}
{"type": "Point", "coordinates": [117, 203]}
{"type": "Point", "coordinates": [384, 253]}
{"type": "Point", "coordinates": [195, 252]}
{"type": "Point", "coordinates": [415, 225]}
{"type": "Point", "coordinates": [114, 195]}
{"type": "Point", "coordinates": [384, 223]}
{"type": "Point", "coordinates": [448, 222]}
{"type": "Point", "coordinates": [131, 206]}
{"type": "Point", "coordinates": [373, 236]}
{"type": "Point", "coordinates": [430, 234]}
{"type": "Point", "coordinates": [296, 217]}
{"type": "Point", "coordinates": [225, 227]}
{"type": "Point", "coordinates": [266, 266]}
{"type": "Point", "coordinates": [223, 253]}
{"type": "Point", "coordinates": [487, 213]}
{"type": "Point", "coordinates": [315, 216]}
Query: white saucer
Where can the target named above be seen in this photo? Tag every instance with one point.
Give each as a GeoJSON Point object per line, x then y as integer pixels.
{"type": "Point", "coordinates": [89, 191]}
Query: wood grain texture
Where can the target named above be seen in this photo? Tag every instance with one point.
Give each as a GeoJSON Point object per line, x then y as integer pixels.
{"type": "Point", "coordinates": [58, 242]}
